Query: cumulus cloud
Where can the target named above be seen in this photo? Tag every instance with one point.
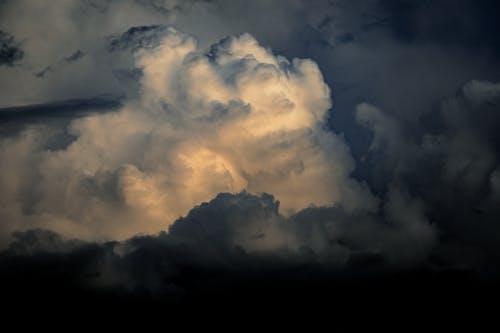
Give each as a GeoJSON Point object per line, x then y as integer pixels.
{"type": "Point", "coordinates": [201, 116]}
{"type": "Point", "coordinates": [230, 118]}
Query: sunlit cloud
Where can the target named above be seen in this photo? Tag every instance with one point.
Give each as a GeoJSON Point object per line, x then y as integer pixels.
{"type": "Point", "coordinates": [234, 117]}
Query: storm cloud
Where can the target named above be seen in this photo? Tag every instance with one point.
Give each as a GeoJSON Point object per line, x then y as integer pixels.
{"type": "Point", "coordinates": [238, 234]}
{"type": "Point", "coordinates": [167, 147]}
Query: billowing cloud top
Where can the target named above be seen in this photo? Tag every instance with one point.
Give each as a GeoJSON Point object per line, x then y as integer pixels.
{"type": "Point", "coordinates": [233, 118]}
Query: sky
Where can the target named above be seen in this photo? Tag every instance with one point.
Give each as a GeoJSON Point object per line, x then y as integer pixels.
{"type": "Point", "coordinates": [162, 148]}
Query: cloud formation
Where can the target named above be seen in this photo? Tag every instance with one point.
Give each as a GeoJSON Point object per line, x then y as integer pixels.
{"type": "Point", "coordinates": [126, 124]}
{"type": "Point", "coordinates": [231, 118]}
{"type": "Point", "coordinates": [452, 164]}
{"type": "Point", "coordinates": [233, 235]}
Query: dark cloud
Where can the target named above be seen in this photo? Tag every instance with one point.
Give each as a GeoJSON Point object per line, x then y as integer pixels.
{"type": "Point", "coordinates": [68, 108]}
{"type": "Point", "coordinates": [197, 269]}
{"type": "Point", "coordinates": [74, 56]}
{"type": "Point", "coordinates": [219, 221]}
{"type": "Point", "coordinates": [405, 56]}
{"type": "Point", "coordinates": [239, 234]}
{"type": "Point", "coordinates": [138, 37]}
{"type": "Point", "coordinates": [331, 236]}
{"type": "Point", "coordinates": [453, 167]}
{"type": "Point", "coordinates": [198, 266]}
{"type": "Point", "coordinates": [41, 74]}
{"type": "Point", "coordinates": [57, 115]}
{"type": "Point", "coordinates": [38, 241]}
{"type": "Point", "coordinates": [166, 7]}
{"type": "Point", "coordinates": [10, 53]}
{"type": "Point", "coordinates": [462, 23]}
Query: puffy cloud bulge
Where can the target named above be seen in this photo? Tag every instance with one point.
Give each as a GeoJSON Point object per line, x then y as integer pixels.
{"type": "Point", "coordinates": [230, 118]}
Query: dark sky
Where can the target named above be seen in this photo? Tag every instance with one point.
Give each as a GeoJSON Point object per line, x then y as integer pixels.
{"type": "Point", "coordinates": [171, 150]}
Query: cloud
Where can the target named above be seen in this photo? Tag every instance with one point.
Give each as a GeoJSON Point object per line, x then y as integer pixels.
{"type": "Point", "coordinates": [74, 56]}
{"type": "Point", "coordinates": [408, 176]}
{"type": "Point", "coordinates": [9, 52]}
{"type": "Point", "coordinates": [407, 33]}
{"type": "Point", "coordinates": [451, 165]}
{"type": "Point", "coordinates": [56, 115]}
{"type": "Point", "coordinates": [36, 241]}
{"type": "Point", "coordinates": [138, 37]}
{"type": "Point", "coordinates": [41, 74]}
{"type": "Point", "coordinates": [231, 236]}
{"type": "Point", "coordinates": [400, 233]}
{"type": "Point", "coordinates": [229, 118]}
{"type": "Point", "coordinates": [462, 135]}
{"type": "Point", "coordinates": [67, 26]}
{"type": "Point", "coordinates": [242, 221]}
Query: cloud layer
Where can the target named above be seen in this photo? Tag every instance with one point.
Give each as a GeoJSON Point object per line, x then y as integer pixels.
{"type": "Point", "coordinates": [234, 235]}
